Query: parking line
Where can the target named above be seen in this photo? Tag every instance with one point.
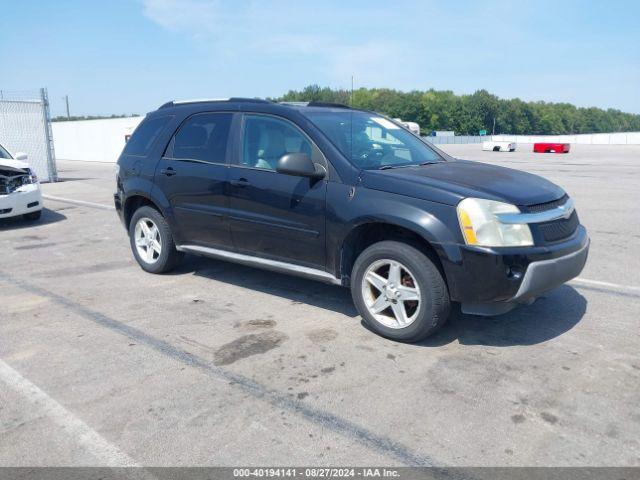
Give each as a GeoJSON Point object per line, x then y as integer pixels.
{"type": "Point", "coordinates": [577, 280]}
{"type": "Point", "coordinates": [79, 431]}
{"type": "Point", "coordinates": [598, 283]}
{"type": "Point", "coordinates": [321, 418]}
{"type": "Point", "coordinates": [78, 202]}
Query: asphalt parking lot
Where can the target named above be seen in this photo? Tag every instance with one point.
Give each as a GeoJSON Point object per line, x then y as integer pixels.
{"type": "Point", "coordinates": [220, 364]}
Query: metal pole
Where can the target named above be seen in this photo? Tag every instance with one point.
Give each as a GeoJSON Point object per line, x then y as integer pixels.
{"type": "Point", "coordinates": [48, 136]}
{"type": "Point", "coordinates": [351, 97]}
{"type": "Point", "coordinates": [66, 99]}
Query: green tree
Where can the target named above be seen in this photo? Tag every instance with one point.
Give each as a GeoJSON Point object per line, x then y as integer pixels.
{"type": "Point", "coordinates": [466, 114]}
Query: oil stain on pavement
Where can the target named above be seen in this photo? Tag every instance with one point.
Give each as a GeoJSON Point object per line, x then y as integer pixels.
{"type": "Point", "coordinates": [247, 346]}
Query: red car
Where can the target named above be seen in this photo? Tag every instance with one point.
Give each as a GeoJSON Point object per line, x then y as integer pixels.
{"type": "Point", "coordinates": [551, 147]}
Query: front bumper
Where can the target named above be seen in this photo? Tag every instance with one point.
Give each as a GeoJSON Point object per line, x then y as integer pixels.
{"type": "Point", "coordinates": [490, 281]}
{"type": "Point", "coordinates": [25, 199]}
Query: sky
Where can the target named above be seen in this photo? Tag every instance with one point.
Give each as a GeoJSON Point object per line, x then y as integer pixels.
{"type": "Point", "coordinates": [130, 56]}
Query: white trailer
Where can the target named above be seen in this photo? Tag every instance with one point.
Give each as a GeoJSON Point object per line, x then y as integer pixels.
{"type": "Point", "coordinates": [499, 146]}
{"type": "Point", "coordinates": [411, 126]}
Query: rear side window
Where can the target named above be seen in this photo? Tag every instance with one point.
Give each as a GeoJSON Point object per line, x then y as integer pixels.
{"type": "Point", "coordinates": [202, 137]}
{"type": "Point", "coordinates": [145, 135]}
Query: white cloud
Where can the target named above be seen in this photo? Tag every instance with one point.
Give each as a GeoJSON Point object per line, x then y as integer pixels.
{"type": "Point", "coordinates": [282, 30]}
{"type": "Point", "coordinates": [197, 17]}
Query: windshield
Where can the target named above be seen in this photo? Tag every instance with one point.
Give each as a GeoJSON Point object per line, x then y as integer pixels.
{"type": "Point", "coordinates": [371, 141]}
{"type": "Point", "coordinates": [4, 153]}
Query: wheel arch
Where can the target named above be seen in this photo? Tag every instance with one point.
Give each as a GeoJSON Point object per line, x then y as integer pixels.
{"type": "Point", "coordinates": [134, 202]}
{"type": "Point", "coordinates": [367, 233]}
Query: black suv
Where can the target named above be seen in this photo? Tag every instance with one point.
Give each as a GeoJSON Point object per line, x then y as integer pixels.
{"type": "Point", "coordinates": [348, 197]}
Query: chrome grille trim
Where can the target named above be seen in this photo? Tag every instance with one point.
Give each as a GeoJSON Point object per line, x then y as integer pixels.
{"type": "Point", "coordinates": [562, 211]}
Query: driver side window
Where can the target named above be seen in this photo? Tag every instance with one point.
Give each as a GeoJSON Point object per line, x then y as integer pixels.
{"type": "Point", "coordinates": [267, 139]}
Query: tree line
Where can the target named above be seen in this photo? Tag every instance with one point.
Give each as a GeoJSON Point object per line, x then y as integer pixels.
{"type": "Point", "coordinates": [468, 114]}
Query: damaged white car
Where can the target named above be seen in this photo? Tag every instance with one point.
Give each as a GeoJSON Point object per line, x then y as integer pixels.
{"type": "Point", "coordinates": [19, 188]}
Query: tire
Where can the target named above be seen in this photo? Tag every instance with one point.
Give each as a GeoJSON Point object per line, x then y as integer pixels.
{"type": "Point", "coordinates": [32, 216]}
{"type": "Point", "coordinates": [154, 262]}
{"type": "Point", "coordinates": [496, 149]}
{"type": "Point", "coordinates": [433, 306]}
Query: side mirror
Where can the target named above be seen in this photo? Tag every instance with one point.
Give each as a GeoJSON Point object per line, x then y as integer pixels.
{"type": "Point", "coordinates": [21, 156]}
{"type": "Point", "coordinates": [300, 165]}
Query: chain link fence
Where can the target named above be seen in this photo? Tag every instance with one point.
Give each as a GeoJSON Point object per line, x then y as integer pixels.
{"type": "Point", "coordinates": [25, 126]}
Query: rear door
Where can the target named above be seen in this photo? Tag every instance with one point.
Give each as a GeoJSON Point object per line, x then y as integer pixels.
{"type": "Point", "coordinates": [274, 215]}
{"type": "Point", "coordinates": [192, 176]}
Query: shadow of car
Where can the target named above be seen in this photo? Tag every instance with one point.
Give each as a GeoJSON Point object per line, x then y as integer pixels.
{"type": "Point", "coordinates": [550, 316]}
{"type": "Point", "coordinates": [15, 223]}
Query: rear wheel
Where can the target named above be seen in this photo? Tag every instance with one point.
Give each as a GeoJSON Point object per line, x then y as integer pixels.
{"type": "Point", "coordinates": [496, 149]}
{"type": "Point", "coordinates": [152, 242]}
{"type": "Point", "coordinates": [399, 291]}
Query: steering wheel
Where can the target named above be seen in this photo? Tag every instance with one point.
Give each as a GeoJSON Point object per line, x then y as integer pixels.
{"type": "Point", "coordinates": [371, 156]}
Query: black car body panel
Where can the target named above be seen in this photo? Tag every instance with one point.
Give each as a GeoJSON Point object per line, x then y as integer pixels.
{"type": "Point", "coordinates": [451, 181]}
{"type": "Point", "coordinates": [311, 222]}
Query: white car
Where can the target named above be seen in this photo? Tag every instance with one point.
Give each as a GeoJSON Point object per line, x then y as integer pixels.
{"type": "Point", "coordinates": [499, 146]}
{"type": "Point", "coordinates": [19, 188]}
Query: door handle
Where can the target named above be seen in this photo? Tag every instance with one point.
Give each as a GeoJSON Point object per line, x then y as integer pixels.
{"type": "Point", "coordinates": [168, 172]}
{"type": "Point", "coordinates": [241, 182]}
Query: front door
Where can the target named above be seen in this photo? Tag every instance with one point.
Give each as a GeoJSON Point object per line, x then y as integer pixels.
{"type": "Point", "coordinates": [273, 215]}
{"type": "Point", "coordinates": [192, 175]}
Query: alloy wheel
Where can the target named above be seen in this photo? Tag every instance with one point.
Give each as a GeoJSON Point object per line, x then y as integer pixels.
{"type": "Point", "coordinates": [147, 240]}
{"type": "Point", "coordinates": [391, 293]}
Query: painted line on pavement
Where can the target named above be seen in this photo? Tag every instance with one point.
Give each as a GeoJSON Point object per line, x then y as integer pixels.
{"type": "Point", "coordinates": [579, 280]}
{"type": "Point", "coordinates": [598, 283]}
{"type": "Point", "coordinates": [79, 431]}
{"type": "Point", "coordinates": [321, 418]}
{"type": "Point", "coordinates": [78, 202]}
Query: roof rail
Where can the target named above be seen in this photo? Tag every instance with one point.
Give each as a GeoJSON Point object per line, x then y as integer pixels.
{"type": "Point", "coordinates": [208, 100]}
{"type": "Point", "coordinates": [328, 104]}
{"type": "Point", "coordinates": [315, 104]}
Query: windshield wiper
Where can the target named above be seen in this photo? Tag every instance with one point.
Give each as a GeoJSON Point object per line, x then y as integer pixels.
{"type": "Point", "coordinates": [388, 167]}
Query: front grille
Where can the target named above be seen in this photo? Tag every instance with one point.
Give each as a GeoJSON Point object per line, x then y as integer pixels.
{"type": "Point", "coordinates": [559, 229]}
{"type": "Point", "coordinates": [543, 207]}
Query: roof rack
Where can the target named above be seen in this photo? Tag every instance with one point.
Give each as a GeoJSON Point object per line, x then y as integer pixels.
{"type": "Point", "coordinates": [328, 104]}
{"type": "Point", "coordinates": [173, 103]}
{"type": "Point", "coordinates": [315, 104]}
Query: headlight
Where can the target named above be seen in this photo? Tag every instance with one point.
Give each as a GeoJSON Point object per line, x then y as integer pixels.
{"type": "Point", "coordinates": [32, 178]}
{"type": "Point", "coordinates": [480, 225]}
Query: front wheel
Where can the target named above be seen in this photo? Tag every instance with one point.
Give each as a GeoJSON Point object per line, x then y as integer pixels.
{"type": "Point", "coordinates": [399, 291]}
{"type": "Point", "coordinates": [151, 241]}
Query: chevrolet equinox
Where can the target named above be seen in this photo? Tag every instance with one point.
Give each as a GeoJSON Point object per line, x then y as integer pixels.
{"type": "Point", "coordinates": [348, 197]}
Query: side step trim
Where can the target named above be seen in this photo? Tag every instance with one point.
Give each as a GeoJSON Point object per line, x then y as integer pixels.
{"type": "Point", "coordinates": [260, 262]}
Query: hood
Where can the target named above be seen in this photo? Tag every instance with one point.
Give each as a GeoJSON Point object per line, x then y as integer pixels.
{"type": "Point", "coordinates": [13, 165]}
{"type": "Point", "coordinates": [451, 181]}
